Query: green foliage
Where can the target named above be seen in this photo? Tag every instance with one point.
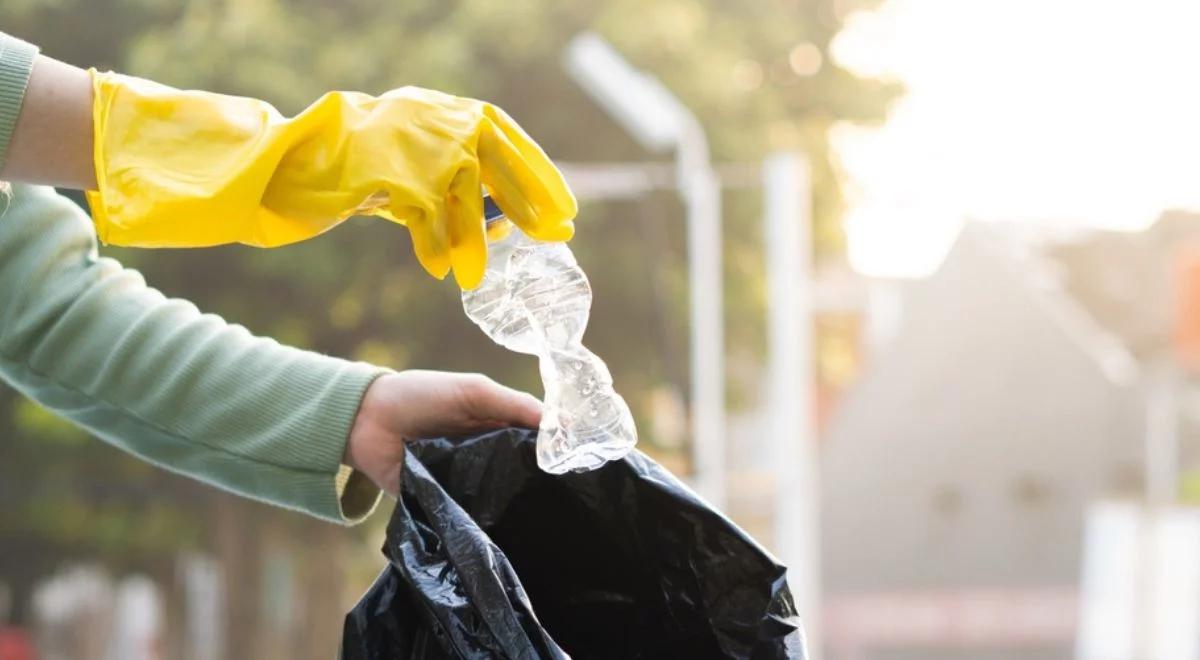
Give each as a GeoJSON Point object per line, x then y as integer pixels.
{"type": "Point", "coordinates": [1189, 487]}
{"type": "Point", "coordinates": [357, 291]}
{"type": "Point", "coordinates": [35, 421]}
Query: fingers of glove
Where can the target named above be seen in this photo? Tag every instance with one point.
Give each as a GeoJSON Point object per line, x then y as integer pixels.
{"type": "Point", "coordinates": [464, 220]}
{"type": "Point", "coordinates": [428, 234]}
{"type": "Point", "coordinates": [529, 193]}
{"type": "Point", "coordinates": [554, 187]}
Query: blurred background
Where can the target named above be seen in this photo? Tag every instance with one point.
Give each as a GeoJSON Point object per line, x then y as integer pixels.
{"type": "Point", "coordinates": [910, 289]}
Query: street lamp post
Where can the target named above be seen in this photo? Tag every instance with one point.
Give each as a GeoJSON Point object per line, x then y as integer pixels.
{"type": "Point", "coordinates": [790, 397]}
{"type": "Point", "coordinates": [659, 122]}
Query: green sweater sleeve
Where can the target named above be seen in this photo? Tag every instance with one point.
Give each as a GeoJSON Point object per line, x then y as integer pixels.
{"type": "Point", "coordinates": [89, 340]}
{"type": "Point", "coordinates": [16, 61]}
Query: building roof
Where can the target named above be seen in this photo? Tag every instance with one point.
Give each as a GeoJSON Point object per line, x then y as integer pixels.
{"type": "Point", "coordinates": [1126, 280]}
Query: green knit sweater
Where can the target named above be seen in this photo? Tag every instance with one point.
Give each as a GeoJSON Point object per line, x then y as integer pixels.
{"type": "Point", "coordinates": [89, 340]}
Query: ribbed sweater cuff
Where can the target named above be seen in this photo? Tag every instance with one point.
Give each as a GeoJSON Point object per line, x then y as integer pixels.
{"type": "Point", "coordinates": [335, 492]}
{"type": "Point", "coordinates": [16, 63]}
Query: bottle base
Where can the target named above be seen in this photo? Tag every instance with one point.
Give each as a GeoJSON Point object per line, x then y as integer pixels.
{"type": "Point", "coordinates": [584, 458]}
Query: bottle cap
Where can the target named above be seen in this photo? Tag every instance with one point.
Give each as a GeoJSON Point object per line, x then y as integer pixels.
{"type": "Point", "coordinates": [491, 212]}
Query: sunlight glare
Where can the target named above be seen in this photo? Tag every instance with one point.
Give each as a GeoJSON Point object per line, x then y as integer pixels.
{"type": "Point", "coordinates": [1065, 112]}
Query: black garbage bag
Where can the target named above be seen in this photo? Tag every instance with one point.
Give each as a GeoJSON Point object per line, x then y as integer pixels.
{"type": "Point", "coordinates": [492, 558]}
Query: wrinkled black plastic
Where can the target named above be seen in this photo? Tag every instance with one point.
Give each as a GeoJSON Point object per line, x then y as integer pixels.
{"type": "Point", "coordinates": [621, 562]}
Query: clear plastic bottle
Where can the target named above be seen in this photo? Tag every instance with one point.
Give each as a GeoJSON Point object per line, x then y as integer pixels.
{"type": "Point", "coordinates": [535, 299]}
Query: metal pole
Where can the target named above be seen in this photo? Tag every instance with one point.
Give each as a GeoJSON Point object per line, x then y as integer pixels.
{"type": "Point", "coordinates": [701, 192]}
{"type": "Point", "coordinates": [1162, 481]}
{"type": "Point", "coordinates": [1162, 435]}
{"type": "Point", "coordinates": [790, 377]}
{"type": "Point", "coordinates": [659, 121]}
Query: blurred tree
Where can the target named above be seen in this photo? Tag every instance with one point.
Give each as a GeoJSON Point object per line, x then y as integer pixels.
{"type": "Point", "coordinates": [756, 71]}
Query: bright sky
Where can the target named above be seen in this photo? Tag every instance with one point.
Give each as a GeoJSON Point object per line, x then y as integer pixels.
{"type": "Point", "coordinates": [1073, 112]}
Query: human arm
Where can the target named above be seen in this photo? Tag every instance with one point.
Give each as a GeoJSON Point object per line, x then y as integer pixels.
{"type": "Point", "coordinates": [89, 340]}
{"type": "Point", "coordinates": [50, 117]}
{"type": "Point", "coordinates": [180, 168]}
{"type": "Point", "coordinates": [194, 394]}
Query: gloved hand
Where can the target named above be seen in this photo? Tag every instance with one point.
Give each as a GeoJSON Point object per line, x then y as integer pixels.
{"type": "Point", "coordinates": [190, 169]}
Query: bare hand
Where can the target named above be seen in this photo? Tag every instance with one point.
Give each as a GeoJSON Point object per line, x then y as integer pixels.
{"type": "Point", "coordinates": [428, 404]}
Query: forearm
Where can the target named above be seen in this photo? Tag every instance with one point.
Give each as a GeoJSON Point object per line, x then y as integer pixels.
{"type": "Point", "coordinates": [50, 141]}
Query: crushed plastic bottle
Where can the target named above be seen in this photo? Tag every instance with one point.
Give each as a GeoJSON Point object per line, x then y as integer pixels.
{"type": "Point", "coordinates": [535, 299]}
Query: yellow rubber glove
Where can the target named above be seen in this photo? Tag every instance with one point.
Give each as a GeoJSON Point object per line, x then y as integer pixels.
{"type": "Point", "coordinates": [190, 169]}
